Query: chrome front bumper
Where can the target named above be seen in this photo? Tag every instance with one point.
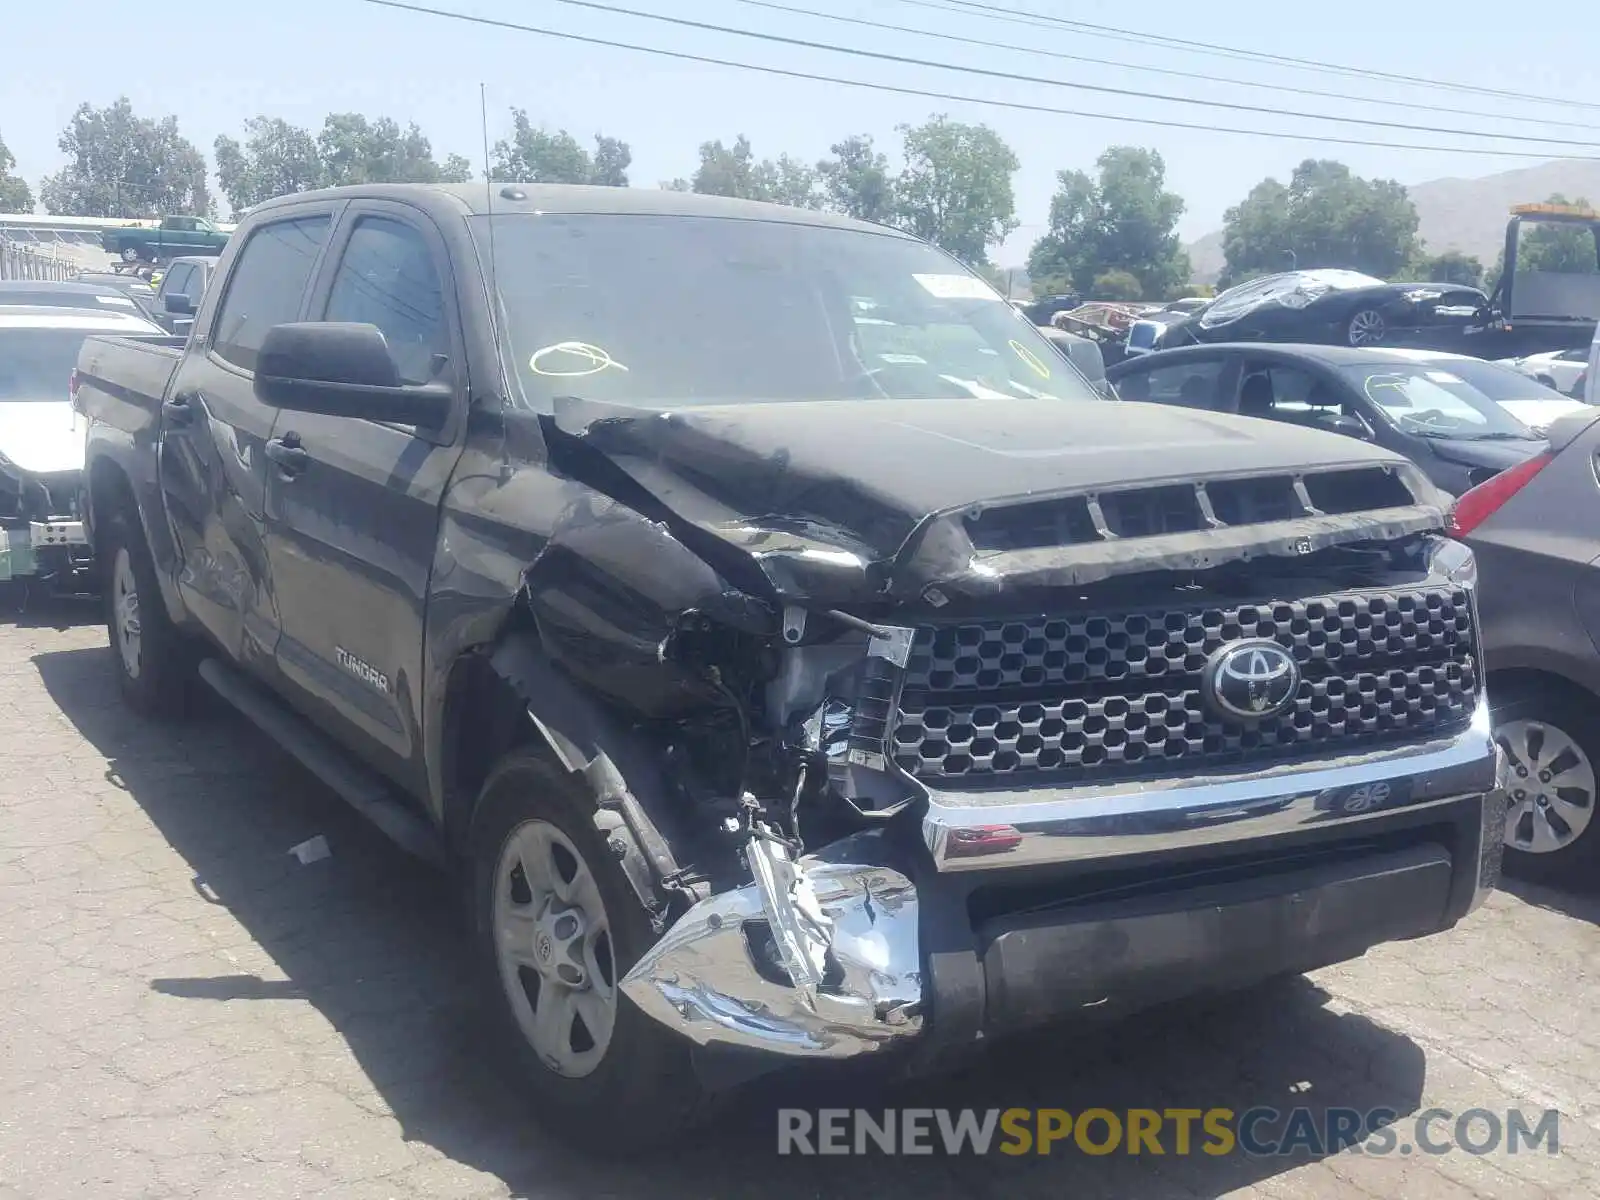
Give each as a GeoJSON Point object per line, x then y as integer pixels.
{"type": "Point", "coordinates": [707, 979]}
{"type": "Point", "coordinates": [972, 831]}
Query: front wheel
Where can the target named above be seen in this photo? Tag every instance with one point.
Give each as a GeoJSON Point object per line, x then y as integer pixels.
{"type": "Point", "coordinates": [557, 926]}
{"type": "Point", "coordinates": [1552, 742]}
{"type": "Point", "coordinates": [130, 254]}
{"type": "Point", "coordinates": [1366, 327]}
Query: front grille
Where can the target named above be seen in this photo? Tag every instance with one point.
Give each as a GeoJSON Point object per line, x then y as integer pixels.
{"type": "Point", "coordinates": [1092, 697]}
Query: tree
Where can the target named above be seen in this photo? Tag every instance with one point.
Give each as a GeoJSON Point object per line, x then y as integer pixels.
{"type": "Point", "coordinates": [856, 181]}
{"type": "Point", "coordinates": [122, 165]}
{"type": "Point", "coordinates": [277, 158]}
{"type": "Point", "coordinates": [1326, 217]}
{"type": "Point", "coordinates": [1121, 224]}
{"type": "Point", "coordinates": [1116, 284]}
{"type": "Point", "coordinates": [1450, 267]}
{"type": "Point", "coordinates": [356, 150]}
{"type": "Point", "coordinates": [15, 195]}
{"type": "Point", "coordinates": [535, 155]}
{"type": "Point", "coordinates": [955, 190]}
{"type": "Point", "coordinates": [1560, 247]}
{"type": "Point", "coordinates": [734, 171]}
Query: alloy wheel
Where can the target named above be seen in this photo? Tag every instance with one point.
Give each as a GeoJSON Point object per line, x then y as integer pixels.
{"type": "Point", "coordinates": [553, 945]}
{"type": "Point", "coordinates": [1550, 800]}
{"type": "Point", "coordinates": [125, 607]}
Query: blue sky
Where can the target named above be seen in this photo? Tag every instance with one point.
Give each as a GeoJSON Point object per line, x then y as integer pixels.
{"type": "Point", "coordinates": [300, 60]}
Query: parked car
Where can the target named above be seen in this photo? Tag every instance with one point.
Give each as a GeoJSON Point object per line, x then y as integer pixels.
{"type": "Point", "coordinates": [1446, 412]}
{"type": "Point", "coordinates": [95, 297]}
{"type": "Point", "coordinates": [182, 287]}
{"type": "Point", "coordinates": [169, 239]}
{"type": "Point", "coordinates": [1534, 533]}
{"type": "Point", "coordinates": [131, 286]}
{"type": "Point", "coordinates": [1558, 370]}
{"type": "Point", "coordinates": [868, 686]}
{"type": "Point", "coordinates": [1084, 354]}
{"type": "Point", "coordinates": [42, 539]}
{"type": "Point", "coordinates": [1339, 308]}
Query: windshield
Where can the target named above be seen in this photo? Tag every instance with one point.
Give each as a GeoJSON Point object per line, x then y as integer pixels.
{"type": "Point", "coordinates": [1456, 399]}
{"type": "Point", "coordinates": [659, 311]}
{"type": "Point", "coordinates": [35, 364]}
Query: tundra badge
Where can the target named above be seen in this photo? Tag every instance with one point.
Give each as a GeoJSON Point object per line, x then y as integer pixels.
{"type": "Point", "coordinates": [362, 670]}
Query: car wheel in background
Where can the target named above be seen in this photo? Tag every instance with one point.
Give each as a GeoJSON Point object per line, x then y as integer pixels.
{"type": "Point", "coordinates": [1547, 381]}
{"type": "Point", "coordinates": [1551, 737]}
{"type": "Point", "coordinates": [1366, 327]}
{"type": "Point", "coordinates": [130, 254]}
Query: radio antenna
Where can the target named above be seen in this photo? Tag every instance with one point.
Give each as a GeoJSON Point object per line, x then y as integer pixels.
{"type": "Point", "coordinates": [488, 192]}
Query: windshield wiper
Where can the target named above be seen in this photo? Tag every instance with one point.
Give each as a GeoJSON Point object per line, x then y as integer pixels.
{"type": "Point", "coordinates": [1502, 435]}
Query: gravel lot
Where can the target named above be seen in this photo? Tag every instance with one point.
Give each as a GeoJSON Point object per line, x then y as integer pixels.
{"type": "Point", "coordinates": [185, 1010]}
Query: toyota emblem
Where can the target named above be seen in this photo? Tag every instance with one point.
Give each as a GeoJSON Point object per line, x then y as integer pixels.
{"type": "Point", "coordinates": [1251, 680]}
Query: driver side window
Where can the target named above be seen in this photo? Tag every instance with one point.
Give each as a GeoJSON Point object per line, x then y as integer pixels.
{"type": "Point", "coordinates": [387, 278]}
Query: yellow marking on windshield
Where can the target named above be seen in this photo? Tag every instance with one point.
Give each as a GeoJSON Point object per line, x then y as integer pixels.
{"type": "Point", "coordinates": [593, 360]}
{"type": "Point", "coordinates": [1028, 356]}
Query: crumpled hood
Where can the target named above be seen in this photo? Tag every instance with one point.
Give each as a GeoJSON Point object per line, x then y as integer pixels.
{"type": "Point", "coordinates": [855, 479]}
{"type": "Point", "coordinates": [42, 436]}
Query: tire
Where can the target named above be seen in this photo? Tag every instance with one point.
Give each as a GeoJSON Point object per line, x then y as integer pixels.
{"type": "Point", "coordinates": [1551, 735]}
{"type": "Point", "coordinates": [130, 254]}
{"type": "Point", "coordinates": [640, 1090]}
{"type": "Point", "coordinates": [154, 661]}
{"type": "Point", "coordinates": [1366, 327]}
{"type": "Point", "coordinates": [1547, 381]}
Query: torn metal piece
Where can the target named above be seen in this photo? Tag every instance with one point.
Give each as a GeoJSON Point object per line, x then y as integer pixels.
{"type": "Point", "coordinates": [800, 929]}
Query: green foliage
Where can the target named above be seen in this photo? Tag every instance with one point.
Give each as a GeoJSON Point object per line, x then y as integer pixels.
{"type": "Point", "coordinates": [734, 171]}
{"type": "Point", "coordinates": [1116, 284]}
{"type": "Point", "coordinates": [1123, 223]}
{"type": "Point", "coordinates": [856, 181]}
{"type": "Point", "coordinates": [122, 165]}
{"type": "Point", "coordinates": [1325, 217]}
{"type": "Point", "coordinates": [276, 158]}
{"type": "Point", "coordinates": [357, 150]}
{"type": "Point", "coordinates": [1561, 247]}
{"type": "Point", "coordinates": [535, 155]}
{"type": "Point", "coordinates": [955, 190]}
{"type": "Point", "coordinates": [1450, 267]}
{"type": "Point", "coordinates": [15, 195]}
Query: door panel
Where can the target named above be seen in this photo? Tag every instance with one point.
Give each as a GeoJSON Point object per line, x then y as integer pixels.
{"type": "Point", "coordinates": [213, 435]}
{"type": "Point", "coordinates": [353, 522]}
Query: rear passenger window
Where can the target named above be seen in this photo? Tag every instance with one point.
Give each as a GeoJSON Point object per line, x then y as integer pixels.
{"type": "Point", "coordinates": [387, 279]}
{"type": "Point", "coordinates": [266, 286]}
{"type": "Point", "coordinates": [1191, 384]}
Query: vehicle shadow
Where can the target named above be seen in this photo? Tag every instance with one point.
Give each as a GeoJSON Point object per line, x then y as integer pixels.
{"type": "Point", "coordinates": [22, 608]}
{"type": "Point", "coordinates": [1583, 904]}
{"type": "Point", "coordinates": [371, 941]}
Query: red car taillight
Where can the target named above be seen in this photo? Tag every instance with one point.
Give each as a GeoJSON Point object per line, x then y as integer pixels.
{"type": "Point", "coordinates": [1478, 504]}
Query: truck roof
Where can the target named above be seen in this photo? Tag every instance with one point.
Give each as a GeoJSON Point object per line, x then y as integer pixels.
{"type": "Point", "coordinates": [478, 198]}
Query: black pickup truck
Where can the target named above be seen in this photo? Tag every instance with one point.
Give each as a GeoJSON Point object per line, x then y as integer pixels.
{"type": "Point", "coordinates": [793, 653]}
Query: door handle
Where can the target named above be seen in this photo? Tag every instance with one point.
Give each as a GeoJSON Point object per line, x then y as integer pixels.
{"type": "Point", "coordinates": [178, 412]}
{"type": "Point", "coordinates": [287, 455]}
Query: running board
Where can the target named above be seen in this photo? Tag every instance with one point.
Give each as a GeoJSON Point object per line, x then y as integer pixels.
{"type": "Point", "coordinates": [360, 787]}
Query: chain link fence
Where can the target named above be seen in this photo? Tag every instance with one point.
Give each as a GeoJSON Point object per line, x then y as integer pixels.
{"type": "Point", "coordinates": [23, 262]}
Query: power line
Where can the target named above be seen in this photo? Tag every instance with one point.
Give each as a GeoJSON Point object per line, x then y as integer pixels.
{"type": "Point", "coordinates": [928, 93]}
{"type": "Point", "coordinates": [1114, 33]}
{"type": "Point", "coordinates": [1100, 89]}
{"type": "Point", "coordinates": [1151, 70]}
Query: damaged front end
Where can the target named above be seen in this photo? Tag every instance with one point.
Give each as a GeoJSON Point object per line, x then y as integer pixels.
{"type": "Point", "coordinates": [844, 709]}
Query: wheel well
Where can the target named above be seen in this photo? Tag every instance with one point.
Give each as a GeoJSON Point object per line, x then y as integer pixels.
{"type": "Point", "coordinates": [109, 490]}
{"type": "Point", "coordinates": [484, 720]}
{"type": "Point", "coordinates": [1518, 683]}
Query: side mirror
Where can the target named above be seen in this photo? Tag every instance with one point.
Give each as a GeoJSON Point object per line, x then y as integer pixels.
{"type": "Point", "coordinates": [343, 369]}
{"type": "Point", "coordinates": [179, 304]}
{"type": "Point", "coordinates": [1347, 425]}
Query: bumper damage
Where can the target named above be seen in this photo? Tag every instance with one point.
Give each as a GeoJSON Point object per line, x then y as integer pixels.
{"type": "Point", "coordinates": [828, 956]}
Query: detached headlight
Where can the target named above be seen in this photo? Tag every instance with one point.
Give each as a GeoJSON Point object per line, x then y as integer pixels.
{"type": "Point", "coordinates": [1456, 562]}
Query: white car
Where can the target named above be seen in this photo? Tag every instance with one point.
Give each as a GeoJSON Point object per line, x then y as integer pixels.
{"type": "Point", "coordinates": [42, 440]}
{"type": "Point", "coordinates": [1533, 403]}
{"type": "Point", "coordinates": [1558, 370]}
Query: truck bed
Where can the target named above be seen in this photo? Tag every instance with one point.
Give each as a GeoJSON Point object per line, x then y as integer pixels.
{"type": "Point", "coordinates": [122, 380]}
